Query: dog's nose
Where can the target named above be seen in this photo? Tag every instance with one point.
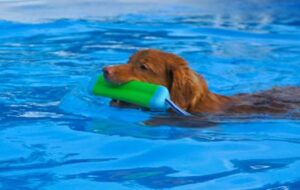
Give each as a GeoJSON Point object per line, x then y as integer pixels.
{"type": "Point", "coordinates": [107, 71]}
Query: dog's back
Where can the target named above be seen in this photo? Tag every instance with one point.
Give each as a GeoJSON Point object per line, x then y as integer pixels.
{"type": "Point", "coordinates": [275, 100]}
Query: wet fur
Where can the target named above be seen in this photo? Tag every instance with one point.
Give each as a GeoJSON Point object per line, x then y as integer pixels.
{"type": "Point", "coordinates": [189, 90]}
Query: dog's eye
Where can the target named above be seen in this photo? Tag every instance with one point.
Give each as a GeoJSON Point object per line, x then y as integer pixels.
{"type": "Point", "coordinates": [143, 67]}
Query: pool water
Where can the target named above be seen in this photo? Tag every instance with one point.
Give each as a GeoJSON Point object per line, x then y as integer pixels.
{"type": "Point", "coordinates": [55, 134]}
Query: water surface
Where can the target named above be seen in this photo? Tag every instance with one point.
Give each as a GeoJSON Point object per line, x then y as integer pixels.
{"type": "Point", "coordinates": [54, 134]}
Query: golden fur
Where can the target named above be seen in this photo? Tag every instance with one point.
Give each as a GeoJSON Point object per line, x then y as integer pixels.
{"type": "Point", "coordinates": [188, 89]}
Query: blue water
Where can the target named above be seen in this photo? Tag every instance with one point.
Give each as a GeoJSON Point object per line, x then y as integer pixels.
{"type": "Point", "coordinates": [54, 134]}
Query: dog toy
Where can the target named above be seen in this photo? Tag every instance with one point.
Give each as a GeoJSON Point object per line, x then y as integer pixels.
{"type": "Point", "coordinates": [152, 96]}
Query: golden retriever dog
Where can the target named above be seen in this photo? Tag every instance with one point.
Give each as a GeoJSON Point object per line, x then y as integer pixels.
{"type": "Point", "coordinates": [189, 90]}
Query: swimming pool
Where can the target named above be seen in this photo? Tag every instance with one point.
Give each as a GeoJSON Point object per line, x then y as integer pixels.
{"type": "Point", "coordinates": [54, 134]}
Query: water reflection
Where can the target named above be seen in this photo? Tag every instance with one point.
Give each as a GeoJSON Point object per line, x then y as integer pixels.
{"type": "Point", "coordinates": [161, 177]}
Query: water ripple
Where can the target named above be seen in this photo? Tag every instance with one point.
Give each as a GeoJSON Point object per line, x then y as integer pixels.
{"type": "Point", "coordinates": [55, 134]}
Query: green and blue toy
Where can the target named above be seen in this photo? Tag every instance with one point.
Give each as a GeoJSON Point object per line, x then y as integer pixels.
{"type": "Point", "coordinates": [152, 96]}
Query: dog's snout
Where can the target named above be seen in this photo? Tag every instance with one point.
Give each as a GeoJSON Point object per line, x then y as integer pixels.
{"type": "Point", "coordinates": [107, 71]}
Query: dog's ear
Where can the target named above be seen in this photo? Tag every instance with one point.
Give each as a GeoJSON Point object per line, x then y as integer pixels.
{"type": "Point", "coordinates": [185, 86]}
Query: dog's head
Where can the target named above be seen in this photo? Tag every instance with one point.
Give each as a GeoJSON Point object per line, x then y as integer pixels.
{"type": "Point", "coordinates": [169, 70]}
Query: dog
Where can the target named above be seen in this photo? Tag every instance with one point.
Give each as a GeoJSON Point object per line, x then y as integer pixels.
{"type": "Point", "coordinates": [189, 90]}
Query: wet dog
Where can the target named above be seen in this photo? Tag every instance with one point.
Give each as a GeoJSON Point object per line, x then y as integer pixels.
{"type": "Point", "coordinates": [189, 90]}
